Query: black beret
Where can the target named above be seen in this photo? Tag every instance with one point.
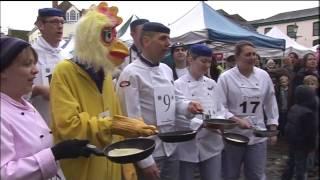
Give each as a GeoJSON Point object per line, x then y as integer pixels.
{"type": "Point", "coordinates": [10, 48]}
{"type": "Point", "coordinates": [137, 22]}
{"type": "Point", "coordinates": [50, 12]}
{"type": "Point", "coordinates": [201, 50]}
{"type": "Point", "coordinates": [155, 27]}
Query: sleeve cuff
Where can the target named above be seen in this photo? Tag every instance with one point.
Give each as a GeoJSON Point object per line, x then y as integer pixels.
{"type": "Point", "coordinates": [146, 162]}
{"type": "Point", "coordinates": [229, 115]}
{"type": "Point", "coordinates": [272, 122]}
{"type": "Point", "coordinates": [195, 123]}
{"type": "Point", "coordinates": [47, 163]}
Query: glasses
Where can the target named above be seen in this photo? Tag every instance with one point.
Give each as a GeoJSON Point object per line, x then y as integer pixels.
{"type": "Point", "coordinates": [55, 22]}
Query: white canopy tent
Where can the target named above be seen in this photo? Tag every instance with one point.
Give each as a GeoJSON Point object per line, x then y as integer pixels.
{"type": "Point", "coordinates": [291, 45]}
{"type": "Point", "coordinates": [314, 48]}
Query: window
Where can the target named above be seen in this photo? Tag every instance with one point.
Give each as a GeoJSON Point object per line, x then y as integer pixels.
{"type": "Point", "coordinates": [67, 16]}
{"type": "Point", "coordinates": [73, 15]}
{"type": "Point", "coordinates": [315, 42]}
{"type": "Point", "coordinates": [316, 28]}
{"type": "Point", "coordinates": [266, 30]}
{"type": "Point", "coordinates": [290, 31]}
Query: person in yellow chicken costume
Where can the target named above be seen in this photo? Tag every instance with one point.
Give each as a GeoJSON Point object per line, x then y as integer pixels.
{"type": "Point", "coordinates": [82, 98]}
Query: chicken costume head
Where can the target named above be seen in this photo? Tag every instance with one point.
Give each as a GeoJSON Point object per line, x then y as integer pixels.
{"type": "Point", "coordinates": [96, 44]}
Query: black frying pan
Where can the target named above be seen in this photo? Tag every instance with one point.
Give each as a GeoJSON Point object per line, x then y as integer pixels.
{"type": "Point", "coordinates": [145, 145]}
{"type": "Point", "coordinates": [265, 133]}
{"type": "Point", "coordinates": [220, 123]}
{"type": "Point", "coordinates": [177, 136]}
{"type": "Point", "coordinates": [236, 139]}
{"type": "Point", "coordinates": [217, 123]}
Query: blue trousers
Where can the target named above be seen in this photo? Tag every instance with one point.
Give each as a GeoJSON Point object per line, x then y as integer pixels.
{"type": "Point", "coordinates": [252, 157]}
{"type": "Point", "coordinates": [209, 169]}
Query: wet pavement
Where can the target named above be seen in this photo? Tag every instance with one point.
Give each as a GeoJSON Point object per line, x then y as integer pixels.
{"type": "Point", "coordinates": [277, 157]}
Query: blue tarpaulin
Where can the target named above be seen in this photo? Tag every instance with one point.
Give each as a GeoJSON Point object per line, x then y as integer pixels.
{"type": "Point", "coordinates": [203, 23]}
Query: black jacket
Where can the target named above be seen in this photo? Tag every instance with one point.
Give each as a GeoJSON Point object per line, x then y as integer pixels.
{"type": "Point", "coordinates": [301, 127]}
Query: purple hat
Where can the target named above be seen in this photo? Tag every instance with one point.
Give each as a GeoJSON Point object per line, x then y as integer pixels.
{"type": "Point", "coordinates": [201, 50]}
{"type": "Point", "coordinates": [50, 12]}
{"type": "Point", "coordinates": [10, 48]}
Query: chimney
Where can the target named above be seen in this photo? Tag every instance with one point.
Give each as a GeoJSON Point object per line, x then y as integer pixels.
{"type": "Point", "coordinates": [54, 4]}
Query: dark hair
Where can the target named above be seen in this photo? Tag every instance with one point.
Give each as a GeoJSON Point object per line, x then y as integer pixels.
{"type": "Point", "coordinates": [230, 58]}
{"type": "Point", "coordinates": [239, 46]}
{"type": "Point", "coordinates": [136, 23]}
{"type": "Point", "coordinates": [305, 57]}
{"type": "Point", "coordinates": [294, 54]}
{"type": "Point", "coordinates": [11, 47]}
{"type": "Point", "coordinates": [214, 70]}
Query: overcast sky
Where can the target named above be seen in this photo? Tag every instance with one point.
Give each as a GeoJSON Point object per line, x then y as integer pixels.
{"type": "Point", "coordinates": [22, 14]}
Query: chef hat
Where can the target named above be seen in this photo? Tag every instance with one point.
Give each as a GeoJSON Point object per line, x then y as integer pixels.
{"type": "Point", "coordinates": [50, 12]}
{"type": "Point", "coordinates": [10, 48]}
{"type": "Point", "coordinates": [201, 50]}
{"type": "Point", "coordinates": [155, 27]}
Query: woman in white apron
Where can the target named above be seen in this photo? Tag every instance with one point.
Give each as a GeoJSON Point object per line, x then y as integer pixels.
{"type": "Point", "coordinates": [247, 92]}
{"type": "Point", "coordinates": [203, 152]}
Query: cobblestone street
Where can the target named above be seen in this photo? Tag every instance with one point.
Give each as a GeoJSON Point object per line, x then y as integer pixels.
{"type": "Point", "coordinates": [277, 156]}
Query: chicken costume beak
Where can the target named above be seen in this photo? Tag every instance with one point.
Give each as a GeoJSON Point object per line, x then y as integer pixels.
{"type": "Point", "coordinates": [118, 52]}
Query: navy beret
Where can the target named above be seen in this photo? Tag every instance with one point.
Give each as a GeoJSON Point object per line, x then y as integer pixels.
{"type": "Point", "coordinates": [137, 22]}
{"type": "Point", "coordinates": [10, 48]}
{"type": "Point", "coordinates": [50, 12]}
{"type": "Point", "coordinates": [155, 27]}
{"type": "Point", "coordinates": [201, 50]}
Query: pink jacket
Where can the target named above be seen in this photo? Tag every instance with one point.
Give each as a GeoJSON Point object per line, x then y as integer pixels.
{"type": "Point", "coordinates": [25, 142]}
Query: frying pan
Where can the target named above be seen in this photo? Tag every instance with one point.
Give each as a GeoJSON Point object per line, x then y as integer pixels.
{"type": "Point", "coordinates": [177, 136]}
{"type": "Point", "coordinates": [236, 139]}
{"type": "Point", "coordinates": [186, 135]}
{"type": "Point", "coordinates": [265, 133]}
{"type": "Point", "coordinates": [146, 145]}
{"type": "Point", "coordinates": [218, 123]}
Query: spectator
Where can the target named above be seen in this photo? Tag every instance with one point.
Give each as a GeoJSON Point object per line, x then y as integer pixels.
{"type": "Point", "coordinates": [310, 66]}
{"type": "Point", "coordinates": [300, 131]}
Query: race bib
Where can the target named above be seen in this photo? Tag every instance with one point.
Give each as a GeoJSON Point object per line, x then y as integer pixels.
{"type": "Point", "coordinates": [165, 105]}
{"type": "Point", "coordinates": [46, 73]}
{"type": "Point", "coordinates": [248, 105]}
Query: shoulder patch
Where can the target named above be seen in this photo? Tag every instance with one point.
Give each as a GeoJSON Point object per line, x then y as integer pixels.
{"type": "Point", "coordinates": [124, 83]}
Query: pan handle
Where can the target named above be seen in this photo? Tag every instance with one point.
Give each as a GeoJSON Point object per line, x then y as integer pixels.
{"type": "Point", "coordinates": [94, 150]}
{"type": "Point", "coordinates": [204, 116]}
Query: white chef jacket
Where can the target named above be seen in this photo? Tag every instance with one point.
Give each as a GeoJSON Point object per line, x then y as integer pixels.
{"type": "Point", "coordinates": [136, 87]}
{"type": "Point", "coordinates": [246, 97]}
{"type": "Point", "coordinates": [207, 143]}
{"type": "Point", "coordinates": [48, 57]}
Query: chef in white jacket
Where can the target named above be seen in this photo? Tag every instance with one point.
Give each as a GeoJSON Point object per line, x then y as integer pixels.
{"type": "Point", "coordinates": [205, 150]}
{"type": "Point", "coordinates": [247, 91]}
{"type": "Point", "coordinates": [50, 23]}
{"type": "Point", "coordinates": [145, 88]}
